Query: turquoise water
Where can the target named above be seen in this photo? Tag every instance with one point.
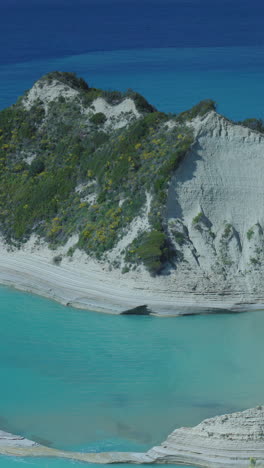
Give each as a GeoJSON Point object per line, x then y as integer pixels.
{"type": "Point", "coordinates": [88, 381]}
{"type": "Point", "coordinates": [173, 79]}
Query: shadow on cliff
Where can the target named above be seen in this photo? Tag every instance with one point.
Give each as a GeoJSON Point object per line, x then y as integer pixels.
{"type": "Point", "coordinates": [185, 172]}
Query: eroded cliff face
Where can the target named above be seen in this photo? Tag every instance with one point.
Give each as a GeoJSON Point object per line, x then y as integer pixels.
{"type": "Point", "coordinates": [215, 208]}
{"type": "Point", "coordinates": [223, 441]}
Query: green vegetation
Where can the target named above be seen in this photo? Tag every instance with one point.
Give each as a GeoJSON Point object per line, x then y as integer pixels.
{"type": "Point", "coordinates": [152, 249]}
{"type": "Point", "coordinates": [197, 218]}
{"type": "Point", "coordinates": [199, 109]}
{"type": "Point", "coordinates": [67, 149]}
{"type": "Point", "coordinates": [98, 119]}
{"type": "Point", "coordinates": [253, 124]}
{"type": "Point", "coordinates": [254, 261]}
{"type": "Point", "coordinates": [179, 237]}
{"type": "Point", "coordinates": [250, 233]}
{"type": "Point", "coordinates": [57, 259]}
{"type": "Point", "coordinates": [141, 103]}
{"type": "Point", "coordinates": [67, 78]}
{"type": "Point", "coordinates": [228, 230]}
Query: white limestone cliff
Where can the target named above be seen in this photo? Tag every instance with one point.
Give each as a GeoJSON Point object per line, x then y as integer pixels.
{"type": "Point", "coordinates": [215, 200]}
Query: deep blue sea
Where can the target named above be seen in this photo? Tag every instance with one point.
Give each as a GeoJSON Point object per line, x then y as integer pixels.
{"type": "Point", "coordinates": [175, 52]}
{"type": "Point", "coordinates": [93, 382]}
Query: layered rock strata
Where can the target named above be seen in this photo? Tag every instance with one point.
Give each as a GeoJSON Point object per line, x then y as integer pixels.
{"type": "Point", "coordinates": [228, 441]}
{"type": "Point", "coordinates": [223, 441]}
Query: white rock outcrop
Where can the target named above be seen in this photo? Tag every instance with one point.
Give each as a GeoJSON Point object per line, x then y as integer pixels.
{"type": "Point", "coordinates": [118, 115]}
{"type": "Point", "coordinates": [231, 440]}
{"type": "Point", "coordinates": [48, 92]}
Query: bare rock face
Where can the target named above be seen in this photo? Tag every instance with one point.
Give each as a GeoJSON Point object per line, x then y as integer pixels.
{"type": "Point", "coordinates": [216, 197]}
{"type": "Point", "coordinates": [228, 441]}
{"type": "Point", "coordinates": [223, 441]}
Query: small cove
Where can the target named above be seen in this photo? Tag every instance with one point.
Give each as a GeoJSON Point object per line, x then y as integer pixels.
{"type": "Point", "coordinates": [86, 381]}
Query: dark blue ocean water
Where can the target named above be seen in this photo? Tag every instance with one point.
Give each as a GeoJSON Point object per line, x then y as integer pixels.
{"type": "Point", "coordinates": [175, 52]}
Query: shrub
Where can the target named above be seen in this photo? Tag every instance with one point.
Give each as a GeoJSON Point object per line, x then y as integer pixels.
{"type": "Point", "coordinates": [57, 259]}
{"type": "Point", "coordinates": [250, 233]}
{"type": "Point", "coordinates": [67, 78]}
{"type": "Point", "coordinates": [152, 251]}
{"type": "Point", "coordinates": [199, 109]}
{"type": "Point", "coordinates": [253, 124]}
{"type": "Point", "coordinates": [98, 119]}
{"type": "Point", "coordinates": [71, 251]}
{"type": "Point", "coordinates": [228, 230]}
{"type": "Point", "coordinates": [112, 97]}
{"type": "Point", "coordinates": [197, 218]}
{"type": "Point", "coordinates": [179, 237]}
{"type": "Point", "coordinates": [90, 96]}
{"type": "Point", "coordinates": [141, 103]}
{"type": "Point", "coordinates": [37, 166]}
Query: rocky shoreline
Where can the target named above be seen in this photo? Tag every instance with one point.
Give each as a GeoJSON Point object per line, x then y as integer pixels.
{"type": "Point", "coordinates": [227, 441]}
{"type": "Point", "coordinates": [85, 284]}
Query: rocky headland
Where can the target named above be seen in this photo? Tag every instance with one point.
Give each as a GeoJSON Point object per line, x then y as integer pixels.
{"type": "Point", "coordinates": [107, 204]}
{"type": "Point", "coordinates": [231, 440]}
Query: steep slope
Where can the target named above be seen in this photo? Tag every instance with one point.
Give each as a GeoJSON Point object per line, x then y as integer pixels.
{"type": "Point", "coordinates": [215, 200]}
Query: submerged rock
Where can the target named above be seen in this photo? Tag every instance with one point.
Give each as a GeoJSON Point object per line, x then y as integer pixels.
{"type": "Point", "coordinates": [230, 440]}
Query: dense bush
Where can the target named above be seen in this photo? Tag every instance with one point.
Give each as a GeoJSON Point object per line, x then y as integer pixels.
{"type": "Point", "coordinates": [98, 119]}
{"type": "Point", "coordinates": [142, 104]}
{"type": "Point", "coordinates": [66, 78]}
{"type": "Point", "coordinates": [254, 124]}
{"type": "Point", "coordinates": [199, 109]}
{"type": "Point", "coordinates": [152, 251]}
{"type": "Point", "coordinates": [112, 97]}
{"type": "Point", "coordinates": [37, 166]}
